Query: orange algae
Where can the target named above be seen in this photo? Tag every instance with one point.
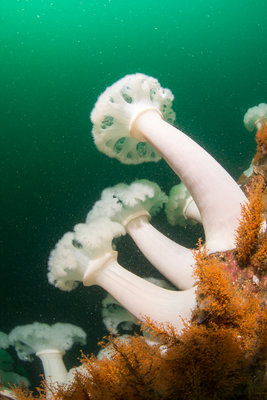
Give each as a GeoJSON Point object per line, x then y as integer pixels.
{"type": "Point", "coordinates": [219, 355]}
{"type": "Point", "coordinates": [251, 241]}
{"type": "Point", "coordinates": [261, 139]}
{"type": "Point", "coordinates": [225, 305]}
{"type": "Point", "coordinates": [131, 373]}
{"type": "Point", "coordinates": [260, 159]}
{"type": "Point", "coordinates": [26, 394]}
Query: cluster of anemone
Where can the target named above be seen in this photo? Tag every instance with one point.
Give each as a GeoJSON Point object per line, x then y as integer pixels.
{"type": "Point", "coordinates": [132, 121]}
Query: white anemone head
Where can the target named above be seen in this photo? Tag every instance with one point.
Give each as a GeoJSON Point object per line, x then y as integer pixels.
{"type": "Point", "coordinates": [118, 107]}
{"type": "Point", "coordinates": [255, 116]}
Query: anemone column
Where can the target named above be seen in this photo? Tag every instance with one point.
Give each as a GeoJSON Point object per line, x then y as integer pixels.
{"type": "Point", "coordinates": [217, 195]}
{"type": "Point", "coordinates": [136, 111]}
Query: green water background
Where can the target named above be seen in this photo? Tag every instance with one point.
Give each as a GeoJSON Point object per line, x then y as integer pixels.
{"type": "Point", "coordinates": [56, 57]}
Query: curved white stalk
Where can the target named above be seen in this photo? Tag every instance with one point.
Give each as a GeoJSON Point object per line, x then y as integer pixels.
{"type": "Point", "coordinates": [130, 205]}
{"type": "Point", "coordinates": [142, 298]}
{"type": "Point", "coordinates": [217, 196]}
{"type": "Point", "coordinates": [172, 260]}
{"type": "Point", "coordinates": [87, 256]}
{"type": "Point", "coordinates": [192, 212]}
{"type": "Point", "coordinates": [53, 365]}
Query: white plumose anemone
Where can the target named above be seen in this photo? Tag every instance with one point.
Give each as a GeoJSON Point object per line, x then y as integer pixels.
{"type": "Point", "coordinates": [181, 208]}
{"type": "Point", "coordinates": [255, 116]}
{"type": "Point", "coordinates": [216, 194]}
{"type": "Point", "coordinates": [132, 206]}
{"type": "Point", "coordinates": [123, 101]}
{"type": "Point", "coordinates": [96, 264]}
{"type": "Point", "coordinates": [49, 343]}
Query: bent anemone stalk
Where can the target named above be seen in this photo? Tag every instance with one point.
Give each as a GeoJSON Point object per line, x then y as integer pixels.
{"type": "Point", "coordinates": [87, 256]}
{"type": "Point", "coordinates": [132, 206]}
{"type": "Point", "coordinates": [136, 107]}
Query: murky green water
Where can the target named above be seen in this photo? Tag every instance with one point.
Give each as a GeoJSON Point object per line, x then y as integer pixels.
{"type": "Point", "coordinates": [56, 57]}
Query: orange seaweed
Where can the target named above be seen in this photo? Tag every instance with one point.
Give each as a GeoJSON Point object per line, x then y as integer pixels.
{"type": "Point", "coordinates": [251, 242]}
{"type": "Point", "coordinates": [261, 139]}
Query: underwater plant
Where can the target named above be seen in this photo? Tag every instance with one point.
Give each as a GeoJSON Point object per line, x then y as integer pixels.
{"type": "Point", "coordinates": [251, 243]}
